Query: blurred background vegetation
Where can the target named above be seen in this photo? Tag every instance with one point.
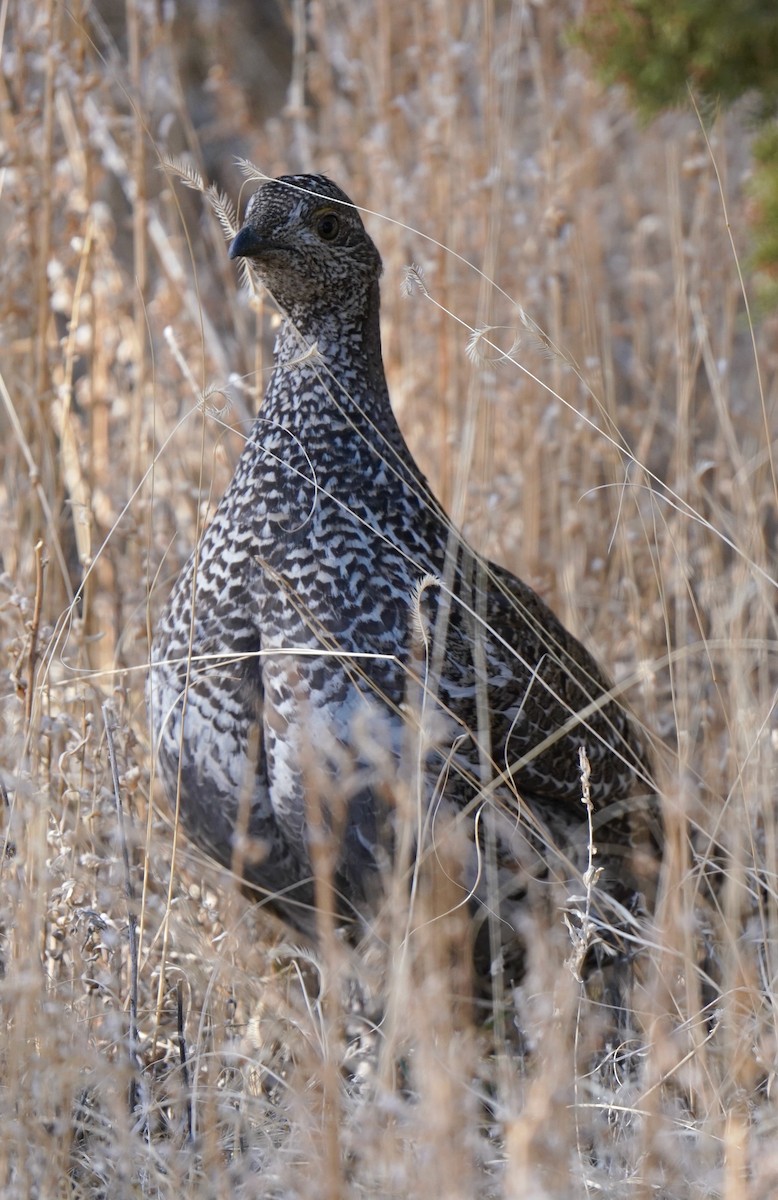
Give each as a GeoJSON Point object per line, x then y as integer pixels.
{"type": "Point", "coordinates": [714, 52]}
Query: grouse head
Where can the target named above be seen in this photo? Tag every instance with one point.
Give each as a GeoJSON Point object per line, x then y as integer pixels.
{"type": "Point", "coordinates": [309, 247]}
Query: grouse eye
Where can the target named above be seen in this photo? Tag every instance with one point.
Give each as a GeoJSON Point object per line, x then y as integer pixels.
{"type": "Point", "coordinates": [328, 226]}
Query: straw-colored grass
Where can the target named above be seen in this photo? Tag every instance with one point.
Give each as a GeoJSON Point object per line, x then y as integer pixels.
{"type": "Point", "coordinates": [610, 436]}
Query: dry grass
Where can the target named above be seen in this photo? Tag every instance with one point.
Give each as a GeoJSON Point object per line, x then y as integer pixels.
{"type": "Point", "coordinates": [622, 460]}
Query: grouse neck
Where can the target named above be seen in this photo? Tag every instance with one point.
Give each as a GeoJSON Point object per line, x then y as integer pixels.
{"type": "Point", "coordinates": [329, 373]}
{"type": "Point", "coordinates": [337, 337]}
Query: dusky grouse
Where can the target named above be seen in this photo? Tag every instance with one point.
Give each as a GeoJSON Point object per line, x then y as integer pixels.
{"type": "Point", "coordinates": [333, 642]}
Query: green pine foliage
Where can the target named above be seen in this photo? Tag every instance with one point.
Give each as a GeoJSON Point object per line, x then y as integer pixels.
{"type": "Point", "coordinates": [765, 193]}
{"type": "Point", "coordinates": [659, 47]}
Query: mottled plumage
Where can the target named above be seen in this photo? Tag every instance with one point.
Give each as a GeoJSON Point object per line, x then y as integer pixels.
{"type": "Point", "coordinates": [330, 607]}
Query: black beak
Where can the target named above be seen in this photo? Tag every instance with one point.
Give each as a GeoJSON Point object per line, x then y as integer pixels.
{"type": "Point", "coordinates": [247, 244]}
